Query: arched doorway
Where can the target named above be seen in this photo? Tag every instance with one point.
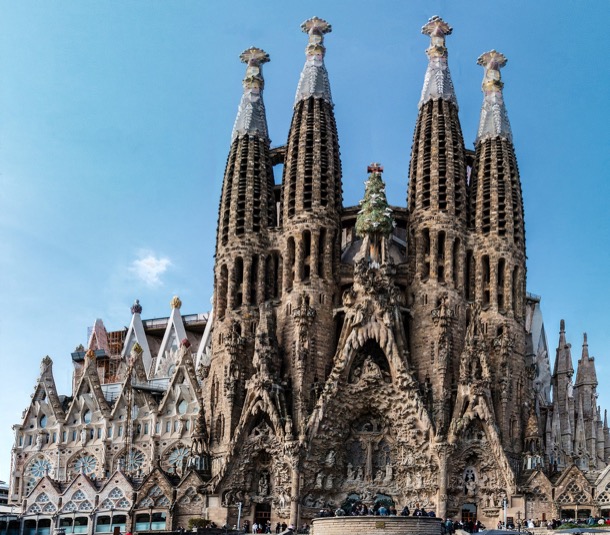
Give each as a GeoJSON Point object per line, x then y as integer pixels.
{"type": "Point", "coordinates": [262, 514]}
{"type": "Point", "coordinates": [469, 513]}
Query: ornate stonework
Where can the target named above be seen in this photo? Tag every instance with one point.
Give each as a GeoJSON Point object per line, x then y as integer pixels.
{"type": "Point", "coordinates": [372, 354]}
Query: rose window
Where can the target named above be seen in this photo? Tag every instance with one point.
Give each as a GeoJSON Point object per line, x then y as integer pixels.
{"type": "Point", "coordinates": [37, 469]}
{"type": "Point", "coordinates": [40, 467]}
{"type": "Point", "coordinates": [177, 457]}
{"type": "Point", "coordinates": [132, 461]}
{"type": "Point", "coordinates": [86, 464]}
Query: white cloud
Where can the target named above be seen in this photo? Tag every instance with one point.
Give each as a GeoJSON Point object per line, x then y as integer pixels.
{"type": "Point", "coordinates": [149, 268]}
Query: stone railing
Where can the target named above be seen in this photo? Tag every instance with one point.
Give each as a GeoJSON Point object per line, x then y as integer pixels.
{"type": "Point", "coordinates": [377, 525]}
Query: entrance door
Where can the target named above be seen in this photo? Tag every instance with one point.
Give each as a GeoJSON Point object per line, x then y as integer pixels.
{"type": "Point", "coordinates": [262, 513]}
{"type": "Point", "coordinates": [469, 513]}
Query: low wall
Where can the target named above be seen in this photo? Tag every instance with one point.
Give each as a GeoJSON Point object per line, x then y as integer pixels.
{"type": "Point", "coordinates": [377, 525]}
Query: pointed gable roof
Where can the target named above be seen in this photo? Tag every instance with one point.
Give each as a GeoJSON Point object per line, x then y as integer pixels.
{"type": "Point", "coordinates": [90, 381]}
{"type": "Point", "coordinates": [45, 392]}
{"type": "Point", "coordinates": [183, 382]}
{"type": "Point", "coordinates": [203, 352]}
{"type": "Point", "coordinates": [136, 375]}
{"type": "Point", "coordinates": [98, 340]}
{"type": "Point", "coordinates": [174, 334]}
{"type": "Point", "coordinates": [136, 334]}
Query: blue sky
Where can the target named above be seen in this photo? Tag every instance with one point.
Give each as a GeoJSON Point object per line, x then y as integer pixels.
{"type": "Point", "coordinates": [115, 124]}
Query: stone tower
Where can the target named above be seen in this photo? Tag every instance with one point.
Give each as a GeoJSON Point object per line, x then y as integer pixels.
{"type": "Point", "coordinates": [246, 217]}
{"type": "Point", "coordinates": [311, 205]}
{"type": "Point", "coordinates": [437, 224]}
{"type": "Point", "coordinates": [496, 260]}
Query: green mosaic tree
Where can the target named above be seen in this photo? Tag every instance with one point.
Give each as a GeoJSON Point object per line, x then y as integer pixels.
{"type": "Point", "coordinates": [375, 218]}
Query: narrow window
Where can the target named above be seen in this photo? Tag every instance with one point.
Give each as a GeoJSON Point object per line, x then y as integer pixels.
{"type": "Point", "coordinates": [455, 262]}
{"type": "Point", "coordinates": [221, 300]}
{"type": "Point", "coordinates": [426, 254]}
{"type": "Point", "coordinates": [486, 280]}
{"type": "Point", "coordinates": [440, 257]}
{"type": "Point", "coordinates": [469, 275]}
{"type": "Point", "coordinates": [321, 249]}
{"type": "Point", "coordinates": [290, 264]}
{"type": "Point", "coordinates": [253, 279]}
{"type": "Point", "coordinates": [500, 285]}
{"type": "Point", "coordinates": [238, 274]}
{"type": "Point", "coordinates": [306, 267]}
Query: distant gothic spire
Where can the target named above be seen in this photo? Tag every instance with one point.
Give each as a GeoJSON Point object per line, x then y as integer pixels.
{"type": "Point", "coordinates": [251, 118]}
{"type": "Point", "coordinates": [437, 82]}
{"type": "Point", "coordinates": [494, 119]}
{"type": "Point", "coordinates": [314, 77]}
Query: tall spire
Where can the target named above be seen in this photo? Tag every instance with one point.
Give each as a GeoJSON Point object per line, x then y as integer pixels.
{"type": "Point", "coordinates": [314, 77]}
{"type": "Point", "coordinates": [494, 119]}
{"type": "Point", "coordinates": [251, 118]}
{"type": "Point", "coordinates": [437, 82]}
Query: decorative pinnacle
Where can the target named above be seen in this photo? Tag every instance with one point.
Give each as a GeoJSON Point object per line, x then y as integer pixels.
{"type": "Point", "coordinates": [494, 119]}
{"type": "Point", "coordinates": [255, 58]}
{"type": "Point", "coordinates": [316, 28]}
{"type": "Point", "coordinates": [437, 82]}
{"type": "Point", "coordinates": [314, 78]}
{"type": "Point", "coordinates": [251, 118]}
{"type": "Point", "coordinates": [492, 61]}
{"type": "Point", "coordinates": [175, 302]}
{"type": "Point", "coordinates": [437, 29]}
{"type": "Point", "coordinates": [136, 308]}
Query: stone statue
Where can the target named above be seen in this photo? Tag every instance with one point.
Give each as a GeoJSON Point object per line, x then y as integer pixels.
{"type": "Point", "coordinates": [471, 486]}
{"type": "Point", "coordinates": [351, 475]}
{"type": "Point", "coordinates": [288, 427]}
{"type": "Point", "coordinates": [263, 485]}
{"type": "Point", "coordinates": [39, 442]}
{"type": "Point", "coordinates": [320, 480]}
{"type": "Point", "coordinates": [360, 474]}
{"type": "Point", "coordinates": [330, 459]}
{"type": "Point", "coordinates": [389, 472]}
{"type": "Point", "coordinates": [83, 436]}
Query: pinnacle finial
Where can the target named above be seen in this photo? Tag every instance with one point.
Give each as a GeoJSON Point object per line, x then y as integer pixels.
{"type": "Point", "coordinates": [437, 82]}
{"type": "Point", "coordinates": [316, 28]}
{"type": "Point", "coordinates": [251, 118]}
{"type": "Point", "coordinates": [494, 119]}
{"type": "Point", "coordinates": [437, 29]}
{"type": "Point", "coordinates": [562, 326]}
{"type": "Point", "coordinates": [254, 58]}
{"type": "Point", "coordinates": [175, 302]}
{"type": "Point", "coordinates": [584, 339]}
{"type": "Point", "coordinates": [136, 308]}
{"type": "Point", "coordinates": [492, 61]}
{"type": "Point", "coordinates": [314, 78]}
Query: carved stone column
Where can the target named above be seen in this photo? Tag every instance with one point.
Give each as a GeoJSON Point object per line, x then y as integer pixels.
{"type": "Point", "coordinates": [443, 449]}
{"type": "Point", "coordinates": [292, 448]}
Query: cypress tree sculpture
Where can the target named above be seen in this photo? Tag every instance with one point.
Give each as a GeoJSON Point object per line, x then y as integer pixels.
{"type": "Point", "coordinates": [375, 220]}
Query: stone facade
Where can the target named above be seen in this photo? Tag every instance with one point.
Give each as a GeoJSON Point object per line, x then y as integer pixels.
{"type": "Point", "coordinates": [368, 353]}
